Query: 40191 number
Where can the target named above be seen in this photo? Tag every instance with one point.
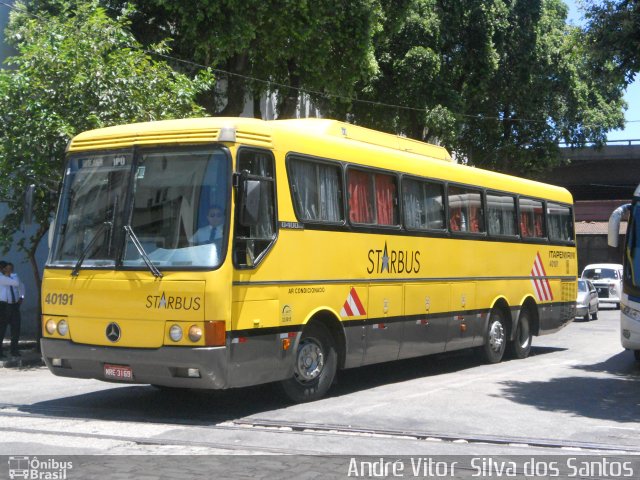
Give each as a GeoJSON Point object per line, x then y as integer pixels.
{"type": "Point", "coordinates": [59, 299]}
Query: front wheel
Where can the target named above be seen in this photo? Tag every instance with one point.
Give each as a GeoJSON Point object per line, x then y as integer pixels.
{"type": "Point", "coordinates": [316, 363]}
{"type": "Point", "coordinates": [495, 338]}
{"type": "Point", "coordinates": [520, 347]}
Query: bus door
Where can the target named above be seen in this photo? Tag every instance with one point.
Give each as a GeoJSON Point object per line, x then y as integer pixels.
{"type": "Point", "coordinates": [464, 322]}
{"type": "Point", "coordinates": [383, 333]}
{"type": "Point", "coordinates": [427, 319]}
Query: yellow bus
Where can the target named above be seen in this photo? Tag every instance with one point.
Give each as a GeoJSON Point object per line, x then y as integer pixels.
{"type": "Point", "coordinates": [226, 252]}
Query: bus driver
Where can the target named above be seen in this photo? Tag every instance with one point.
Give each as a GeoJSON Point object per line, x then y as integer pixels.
{"type": "Point", "coordinates": [213, 232]}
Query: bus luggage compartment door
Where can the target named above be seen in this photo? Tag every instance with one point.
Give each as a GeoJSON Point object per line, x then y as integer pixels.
{"type": "Point", "coordinates": [427, 308]}
{"type": "Point", "coordinates": [383, 333]}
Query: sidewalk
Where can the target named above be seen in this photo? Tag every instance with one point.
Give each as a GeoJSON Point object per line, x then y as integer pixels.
{"type": "Point", "coordinates": [29, 355]}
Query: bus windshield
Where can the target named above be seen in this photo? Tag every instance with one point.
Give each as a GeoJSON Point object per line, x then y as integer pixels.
{"type": "Point", "coordinates": [175, 202]}
{"type": "Point", "coordinates": [632, 252]}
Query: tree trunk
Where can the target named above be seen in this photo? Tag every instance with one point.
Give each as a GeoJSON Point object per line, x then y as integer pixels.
{"type": "Point", "coordinates": [288, 97]}
{"type": "Point", "coordinates": [236, 87]}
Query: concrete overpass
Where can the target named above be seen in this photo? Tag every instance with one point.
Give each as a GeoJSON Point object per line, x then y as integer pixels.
{"type": "Point", "coordinates": [609, 173]}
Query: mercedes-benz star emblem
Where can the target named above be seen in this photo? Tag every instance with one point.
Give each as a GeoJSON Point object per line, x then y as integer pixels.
{"type": "Point", "coordinates": [113, 332]}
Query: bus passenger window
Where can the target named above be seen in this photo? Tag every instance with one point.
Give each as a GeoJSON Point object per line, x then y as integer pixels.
{"type": "Point", "coordinates": [317, 190]}
{"type": "Point", "coordinates": [501, 214]}
{"type": "Point", "coordinates": [465, 210]}
{"type": "Point", "coordinates": [423, 205]}
{"type": "Point", "coordinates": [531, 218]}
{"type": "Point", "coordinates": [560, 222]}
{"type": "Point", "coordinates": [373, 198]}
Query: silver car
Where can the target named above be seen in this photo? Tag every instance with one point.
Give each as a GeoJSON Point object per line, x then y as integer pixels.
{"type": "Point", "coordinates": [587, 301]}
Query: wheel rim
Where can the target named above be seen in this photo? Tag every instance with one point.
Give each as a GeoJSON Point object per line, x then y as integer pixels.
{"type": "Point", "coordinates": [310, 360]}
{"type": "Point", "coordinates": [496, 336]}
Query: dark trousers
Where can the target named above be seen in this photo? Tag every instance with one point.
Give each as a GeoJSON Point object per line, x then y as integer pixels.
{"type": "Point", "coordinates": [10, 317]}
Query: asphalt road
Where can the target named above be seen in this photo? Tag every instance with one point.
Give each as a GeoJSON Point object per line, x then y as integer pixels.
{"type": "Point", "coordinates": [576, 393]}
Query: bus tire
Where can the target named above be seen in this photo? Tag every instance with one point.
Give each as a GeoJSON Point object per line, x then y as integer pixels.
{"type": "Point", "coordinates": [495, 337]}
{"type": "Point", "coordinates": [315, 365]}
{"type": "Point", "coordinates": [520, 346]}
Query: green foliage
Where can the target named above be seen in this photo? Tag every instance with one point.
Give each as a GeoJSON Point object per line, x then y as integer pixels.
{"type": "Point", "coordinates": [74, 71]}
{"type": "Point", "coordinates": [498, 82]}
{"type": "Point", "coordinates": [323, 45]}
{"type": "Point", "coordinates": [614, 33]}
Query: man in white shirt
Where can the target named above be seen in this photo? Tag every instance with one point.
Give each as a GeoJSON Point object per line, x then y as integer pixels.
{"type": "Point", "coordinates": [11, 297]}
{"type": "Point", "coordinates": [213, 232]}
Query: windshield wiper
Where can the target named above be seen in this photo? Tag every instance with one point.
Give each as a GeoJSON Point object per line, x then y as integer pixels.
{"type": "Point", "coordinates": [143, 254]}
{"type": "Point", "coordinates": [86, 249]}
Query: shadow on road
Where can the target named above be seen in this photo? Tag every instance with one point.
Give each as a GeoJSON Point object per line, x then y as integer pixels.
{"type": "Point", "coordinates": [199, 407]}
{"type": "Point", "coordinates": [621, 364]}
{"type": "Point", "coordinates": [612, 398]}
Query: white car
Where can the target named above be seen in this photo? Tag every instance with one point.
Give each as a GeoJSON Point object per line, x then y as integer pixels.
{"type": "Point", "coordinates": [607, 278]}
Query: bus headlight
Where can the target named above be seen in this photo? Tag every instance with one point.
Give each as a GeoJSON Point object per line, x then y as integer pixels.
{"type": "Point", "coordinates": [50, 326]}
{"type": "Point", "coordinates": [195, 333]}
{"type": "Point", "coordinates": [175, 333]}
{"type": "Point", "coordinates": [63, 327]}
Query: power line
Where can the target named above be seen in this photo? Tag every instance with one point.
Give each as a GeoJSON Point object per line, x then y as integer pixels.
{"type": "Point", "coordinates": [271, 83]}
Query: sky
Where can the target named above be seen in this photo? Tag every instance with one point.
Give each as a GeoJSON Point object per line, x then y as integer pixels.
{"type": "Point", "coordinates": [632, 95]}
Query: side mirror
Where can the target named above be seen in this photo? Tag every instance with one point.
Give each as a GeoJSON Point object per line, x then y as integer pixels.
{"type": "Point", "coordinates": [28, 204]}
{"type": "Point", "coordinates": [614, 224]}
{"type": "Point", "coordinates": [250, 199]}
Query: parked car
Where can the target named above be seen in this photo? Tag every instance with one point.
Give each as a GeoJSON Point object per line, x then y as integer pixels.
{"type": "Point", "coordinates": [587, 301]}
{"type": "Point", "coordinates": [607, 278]}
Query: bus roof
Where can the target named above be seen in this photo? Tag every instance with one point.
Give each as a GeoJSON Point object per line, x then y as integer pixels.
{"type": "Point", "coordinates": [318, 137]}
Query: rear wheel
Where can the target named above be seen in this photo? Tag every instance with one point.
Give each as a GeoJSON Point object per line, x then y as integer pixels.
{"type": "Point", "coordinates": [520, 347]}
{"type": "Point", "coordinates": [495, 337]}
{"type": "Point", "coordinates": [316, 363]}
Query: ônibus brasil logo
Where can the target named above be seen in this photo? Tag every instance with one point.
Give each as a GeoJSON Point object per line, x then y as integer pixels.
{"type": "Point", "coordinates": [38, 469]}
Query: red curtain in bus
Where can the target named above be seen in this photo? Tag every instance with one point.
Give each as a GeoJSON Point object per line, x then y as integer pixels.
{"type": "Point", "coordinates": [538, 223]}
{"type": "Point", "coordinates": [474, 221]}
{"type": "Point", "coordinates": [385, 199]}
{"type": "Point", "coordinates": [360, 197]}
{"type": "Point", "coordinates": [455, 219]}
{"type": "Point", "coordinates": [524, 229]}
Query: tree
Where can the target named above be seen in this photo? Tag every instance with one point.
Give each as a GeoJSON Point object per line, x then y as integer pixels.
{"type": "Point", "coordinates": [323, 46]}
{"type": "Point", "coordinates": [74, 71]}
{"type": "Point", "coordinates": [614, 30]}
{"type": "Point", "coordinates": [498, 82]}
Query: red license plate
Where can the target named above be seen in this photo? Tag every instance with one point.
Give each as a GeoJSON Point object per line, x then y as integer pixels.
{"type": "Point", "coordinates": [118, 372]}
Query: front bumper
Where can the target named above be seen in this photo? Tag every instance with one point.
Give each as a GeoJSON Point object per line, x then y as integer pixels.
{"type": "Point", "coordinates": [165, 366]}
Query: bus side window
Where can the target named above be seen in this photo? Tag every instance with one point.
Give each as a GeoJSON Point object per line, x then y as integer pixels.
{"type": "Point", "coordinates": [465, 210]}
{"type": "Point", "coordinates": [560, 222]}
{"type": "Point", "coordinates": [531, 218]}
{"type": "Point", "coordinates": [501, 214]}
{"type": "Point", "coordinates": [252, 242]}
{"type": "Point", "coordinates": [317, 190]}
